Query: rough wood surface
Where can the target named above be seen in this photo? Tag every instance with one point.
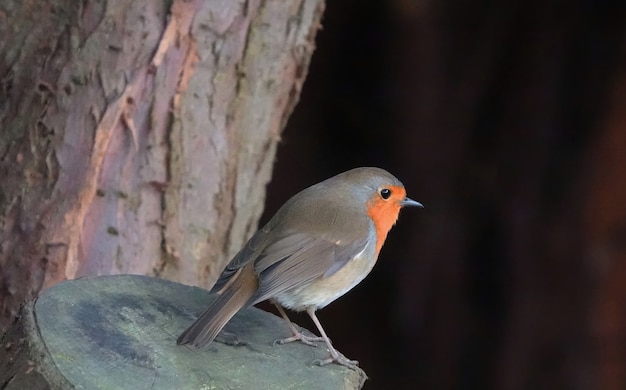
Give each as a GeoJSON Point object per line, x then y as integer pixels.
{"type": "Point", "coordinates": [138, 136]}
{"type": "Point", "coordinates": [119, 332]}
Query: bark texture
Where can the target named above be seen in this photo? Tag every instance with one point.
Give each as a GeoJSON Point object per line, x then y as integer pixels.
{"type": "Point", "coordinates": [138, 136]}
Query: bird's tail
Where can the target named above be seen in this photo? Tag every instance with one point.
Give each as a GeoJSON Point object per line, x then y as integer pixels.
{"type": "Point", "coordinates": [233, 297]}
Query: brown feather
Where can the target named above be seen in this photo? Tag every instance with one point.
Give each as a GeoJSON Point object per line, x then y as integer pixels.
{"type": "Point", "coordinates": [235, 296]}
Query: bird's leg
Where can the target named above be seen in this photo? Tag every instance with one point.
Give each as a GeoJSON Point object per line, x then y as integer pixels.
{"type": "Point", "coordinates": [296, 334]}
{"type": "Point", "coordinates": [335, 356]}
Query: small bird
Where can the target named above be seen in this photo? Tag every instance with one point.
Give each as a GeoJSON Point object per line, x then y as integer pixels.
{"type": "Point", "coordinates": [319, 245]}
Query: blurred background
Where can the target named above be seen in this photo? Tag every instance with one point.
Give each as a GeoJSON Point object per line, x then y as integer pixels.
{"type": "Point", "coordinates": [508, 121]}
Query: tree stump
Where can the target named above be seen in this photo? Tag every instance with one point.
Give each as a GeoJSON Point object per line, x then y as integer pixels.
{"type": "Point", "coordinates": [119, 332]}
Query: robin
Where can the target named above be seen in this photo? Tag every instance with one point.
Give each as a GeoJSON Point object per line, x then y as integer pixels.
{"type": "Point", "coordinates": [319, 245]}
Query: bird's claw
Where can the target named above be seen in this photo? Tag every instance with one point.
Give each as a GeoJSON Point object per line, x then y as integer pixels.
{"type": "Point", "coordinates": [308, 340]}
{"type": "Point", "coordinates": [337, 357]}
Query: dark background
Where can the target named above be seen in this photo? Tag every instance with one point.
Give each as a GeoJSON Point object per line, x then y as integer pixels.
{"type": "Point", "coordinates": [508, 121]}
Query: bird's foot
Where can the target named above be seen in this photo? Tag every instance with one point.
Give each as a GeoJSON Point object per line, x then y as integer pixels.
{"type": "Point", "coordinates": [299, 336]}
{"type": "Point", "coordinates": [337, 357]}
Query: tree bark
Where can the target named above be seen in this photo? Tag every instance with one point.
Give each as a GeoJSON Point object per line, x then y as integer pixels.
{"type": "Point", "coordinates": [138, 138]}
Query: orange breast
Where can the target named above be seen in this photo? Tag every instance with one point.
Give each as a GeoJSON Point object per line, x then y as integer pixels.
{"type": "Point", "coordinates": [385, 213]}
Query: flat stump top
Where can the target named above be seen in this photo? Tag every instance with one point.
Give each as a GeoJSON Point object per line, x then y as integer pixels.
{"type": "Point", "coordinates": [119, 332]}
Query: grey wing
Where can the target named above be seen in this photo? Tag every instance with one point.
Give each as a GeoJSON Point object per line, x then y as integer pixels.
{"type": "Point", "coordinates": [299, 258]}
{"type": "Point", "coordinates": [248, 253]}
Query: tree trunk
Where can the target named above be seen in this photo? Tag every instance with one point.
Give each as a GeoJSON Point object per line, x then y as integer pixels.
{"type": "Point", "coordinates": [138, 138]}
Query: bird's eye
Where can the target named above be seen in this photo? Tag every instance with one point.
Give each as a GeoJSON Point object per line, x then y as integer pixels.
{"type": "Point", "coordinates": [385, 193]}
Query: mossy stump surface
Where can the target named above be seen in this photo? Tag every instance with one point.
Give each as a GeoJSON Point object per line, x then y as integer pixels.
{"type": "Point", "coordinates": [119, 332]}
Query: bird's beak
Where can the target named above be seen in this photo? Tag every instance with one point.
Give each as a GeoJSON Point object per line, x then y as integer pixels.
{"type": "Point", "coordinates": [410, 203]}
